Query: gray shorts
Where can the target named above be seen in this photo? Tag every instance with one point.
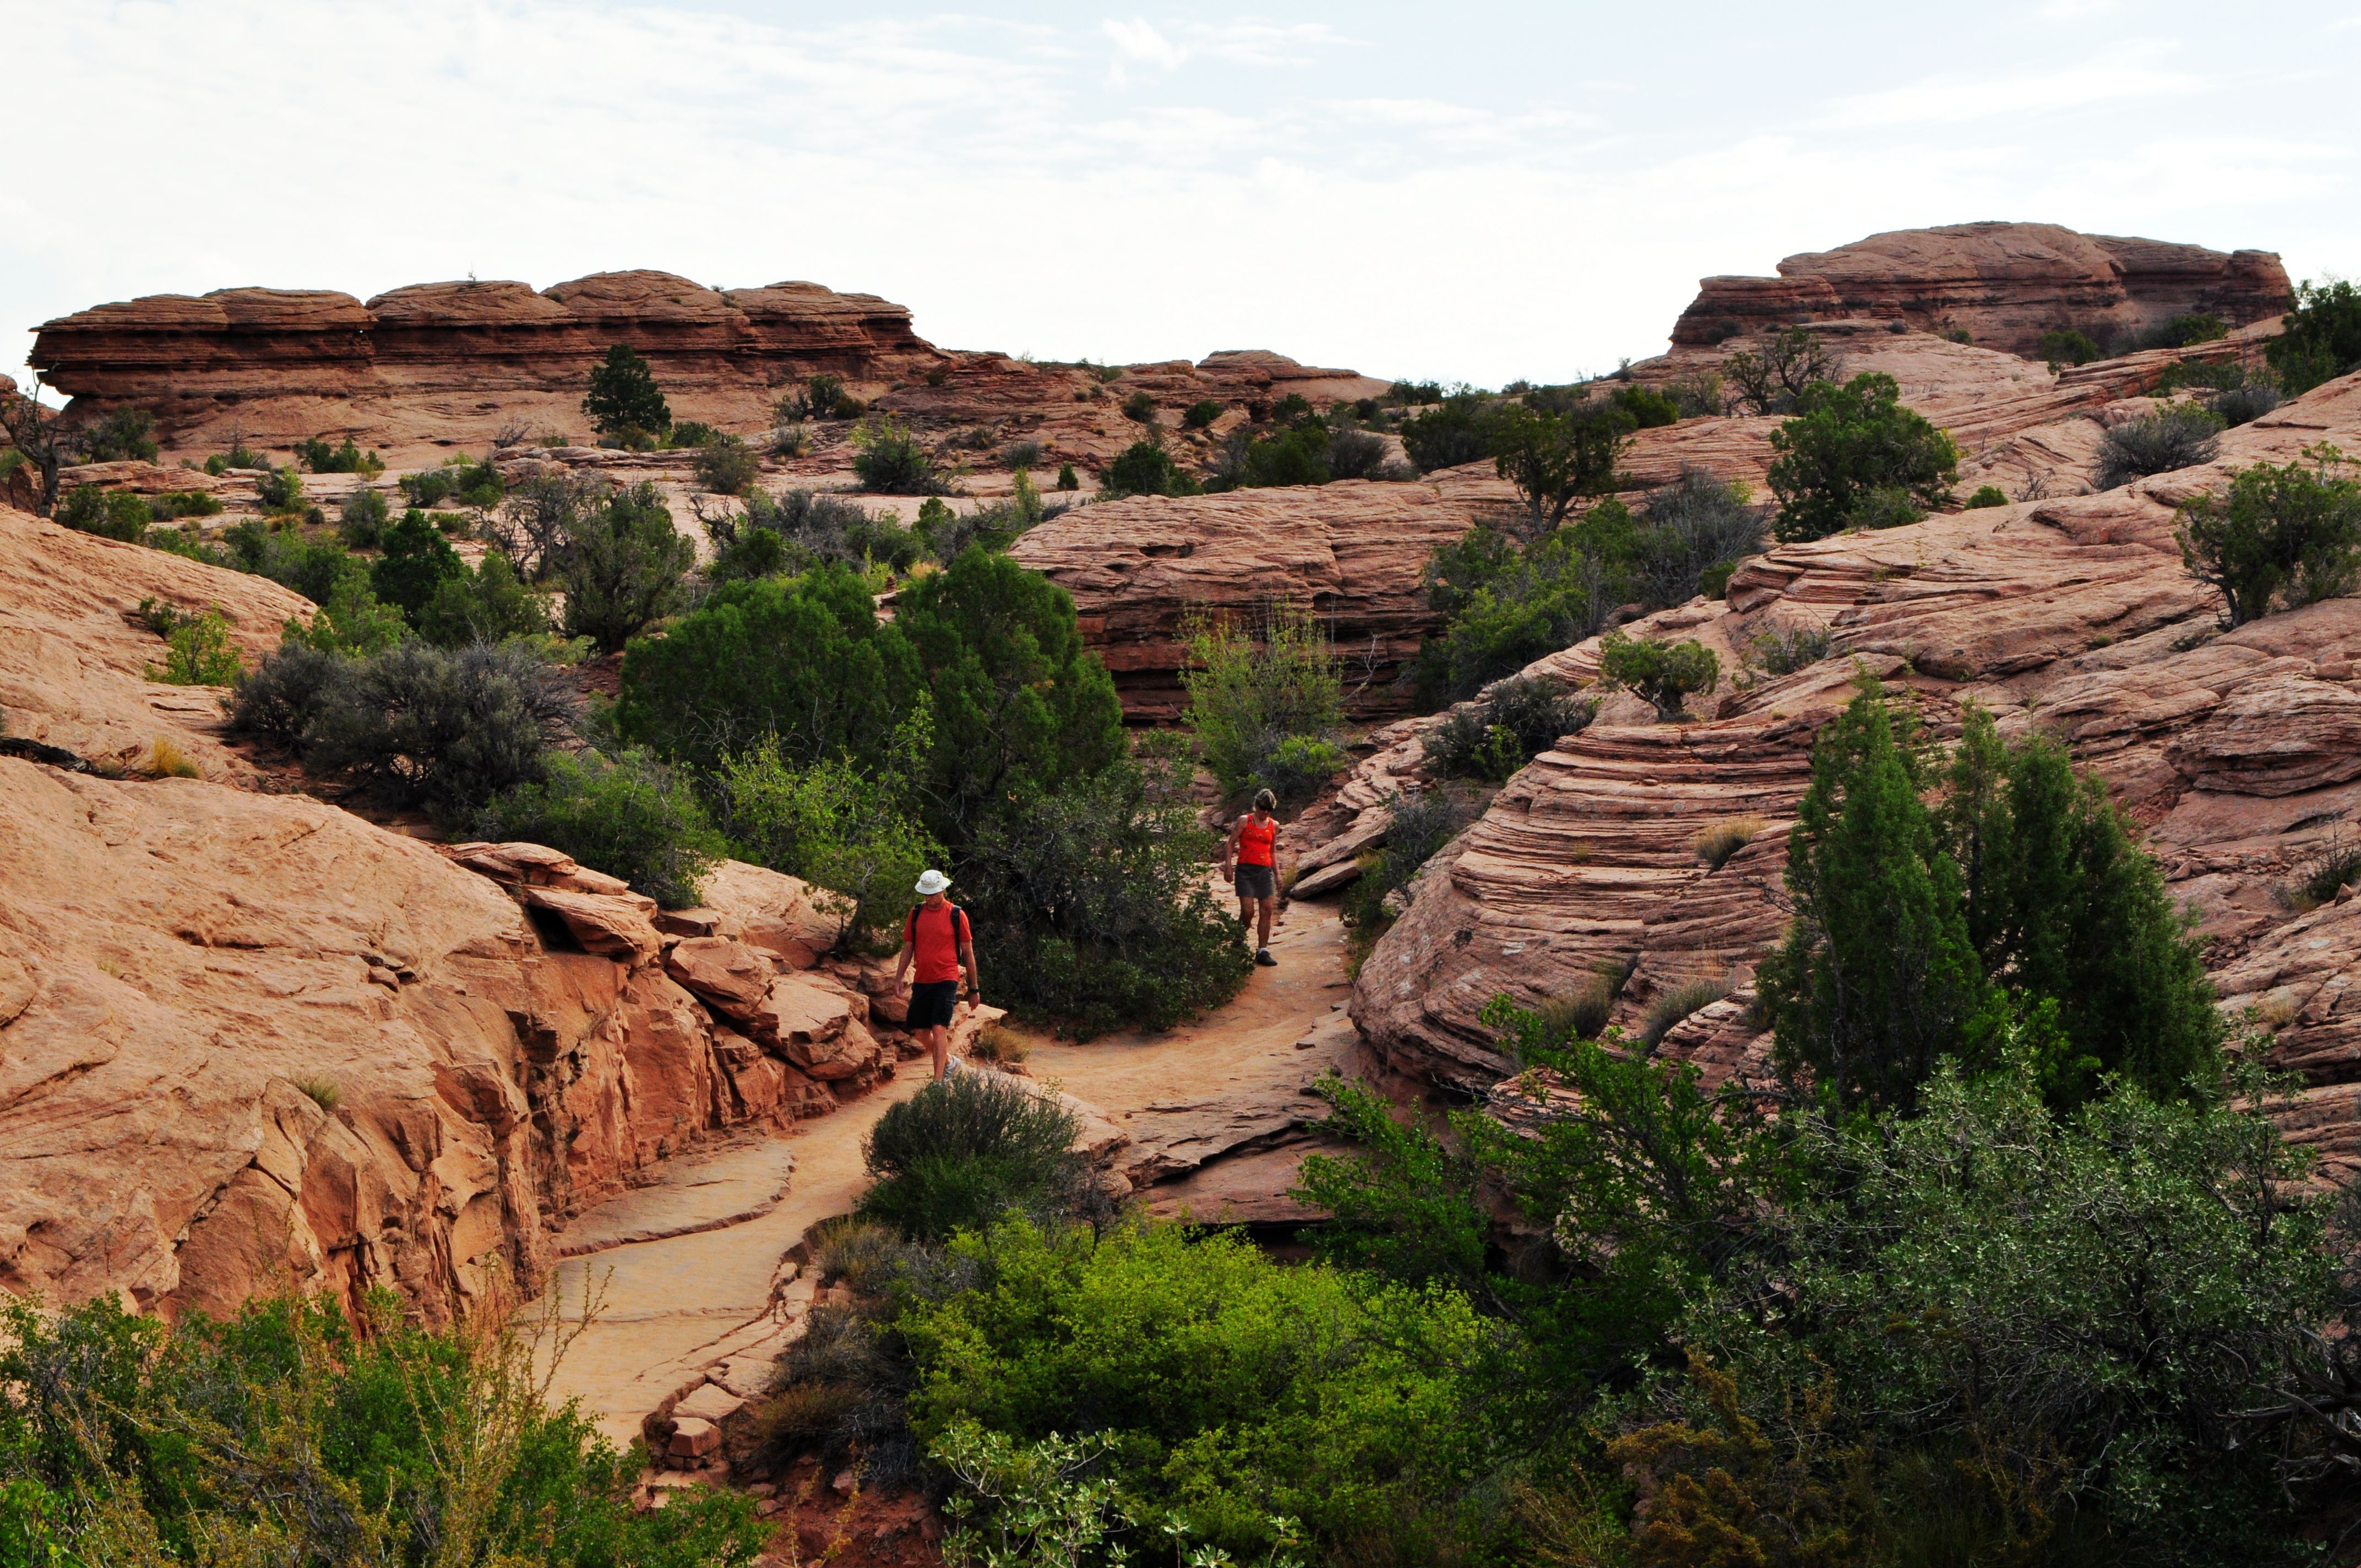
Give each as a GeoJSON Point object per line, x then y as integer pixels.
{"type": "Point", "coordinates": [1257, 882]}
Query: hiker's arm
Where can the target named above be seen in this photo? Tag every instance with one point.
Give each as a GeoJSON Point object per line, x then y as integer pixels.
{"type": "Point", "coordinates": [902, 964]}
{"type": "Point", "coordinates": [974, 980]}
{"type": "Point", "coordinates": [1230, 845]}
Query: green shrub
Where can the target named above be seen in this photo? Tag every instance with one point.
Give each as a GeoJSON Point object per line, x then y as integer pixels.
{"type": "Point", "coordinates": [1139, 408]}
{"type": "Point", "coordinates": [2178, 435]}
{"type": "Point", "coordinates": [1986, 496]}
{"type": "Point", "coordinates": [2191, 327]}
{"type": "Point", "coordinates": [1512, 723]}
{"type": "Point", "coordinates": [1294, 456]}
{"type": "Point", "coordinates": [281, 1435]}
{"type": "Point", "coordinates": [315, 453]}
{"type": "Point", "coordinates": [1022, 455]}
{"type": "Point", "coordinates": [1067, 479]}
{"type": "Point", "coordinates": [239, 456]}
{"type": "Point", "coordinates": [2322, 340]}
{"type": "Point", "coordinates": [1201, 413]}
{"type": "Point", "coordinates": [173, 505]}
{"type": "Point", "coordinates": [791, 441]}
{"type": "Point", "coordinates": [848, 831]}
{"type": "Point", "coordinates": [1090, 907]}
{"type": "Point", "coordinates": [111, 514]}
{"type": "Point", "coordinates": [1774, 381]}
{"type": "Point", "coordinates": [630, 817]}
{"type": "Point", "coordinates": [282, 698]}
{"type": "Point", "coordinates": [279, 491]}
{"type": "Point", "coordinates": [891, 461]}
{"type": "Point", "coordinates": [1554, 459]}
{"type": "Point", "coordinates": [1508, 606]}
{"type": "Point", "coordinates": [964, 1151]}
{"type": "Point", "coordinates": [947, 534]}
{"type": "Point", "coordinates": [1666, 674]}
{"type": "Point", "coordinates": [124, 435]}
{"type": "Point", "coordinates": [690, 433]}
{"type": "Point", "coordinates": [415, 565]}
{"type": "Point", "coordinates": [623, 568]}
{"type": "Point", "coordinates": [350, 620]}
{"type": "Point", "coordinates": [1694, 532]}
{"type": "Point", "coordinates": [1357, 454]}
{"type": "Point", "coordinates": [2285, 535]}
{"type": "Point", "coordinates": [445, 730]}
{"type": "Point", "coordinates": [1254, 690]}
{"type": "Point", "coordinates": [201, 653]}
{"type": "Point", "coordinates": [1672, 1006]}
{"type": "Point", "coordinates": [624, 397]}
{"type": "Point", "coordinates": [488, 605]}
{"type": "Point", "coordinates": [1782, 650]}
{"type": "Point", "coordinates": [2243, 404]}
{"type": "Point", "coordinates": [186, 542]}
{"type": "Point", "coordinates": [361, 522]}
{"type": "Point", "coordinates": [1696, 395]}
{"type": "Point", "coordinates": [1646, 407]}
{"type": "Point", "coordinates": [1457, 433]}
{"type": "Point", "coordinates": [1143, 469]}
{"type": "Point", "coordinates": [1853, 456]}
{"type": "Point", "coordinates": [726, 465]}
{"type": "Point", "coordinates": [794, 531]}
{"type": "Point", "coordinates": [822, 397]}
{"type": "Point", "coordinates": [1418, 827]}
{"type": "Point", "coordinates": [2067, 346]}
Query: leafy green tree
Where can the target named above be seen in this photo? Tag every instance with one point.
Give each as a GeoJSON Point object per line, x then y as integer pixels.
{"type": "Point", "coordinates": [726, 465]}
{"type": "Point", "coordinates": [631, 817]}
{"type": "Point", "coordinates": [1021, 706]}
{"type": "Point", "coordinates": [1143, 469]}
{"type": "Point", "coordinates": [200, 654]}
{"type": "Point", "coordinates": [1510, 606]}
{"type": "Point", "coordinates": [487, 605]}
{"type": "Point", "coordinates": [623, 568]}
{"type": "Point", "coordinates": [1845, 445]}
{"type": "Point", "coordinates": [124, 435]}
{"type": "Point", "coordinates": [624, 397]}
{"type": "Point", "coordinates": [1773, 381]}
{"type": "Point", "coordinates": [1253, 687]}
{"type": "Point", "coordinates": [2322, 340]}
{"type": "Point", "coordinates": [1555, 460]}
{"type": "Point", "coordinates": [1877, 979]}
{"type": "Point", "coordinates": [1457, 431]}
{"type": "Point", "coordinates": [2285, 535]}
{"type": "Point", "coordinates": [803, 659]}
{"type": "Point", "coordinates": [2067, 346]}
{"type": "Point", "coordinates": [416, 561]}
{"type": "Point", "coordinates": [890, 460]}
{"type": "Point", "coordinates": [111, 514]}
{"type": "Point", "coordinates": [350, 620]}
{"type": "Point", "coordinates": [1663, 674]}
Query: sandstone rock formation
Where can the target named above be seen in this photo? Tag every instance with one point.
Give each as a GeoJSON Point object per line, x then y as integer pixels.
{"type": "Point", "coordinates": [2003, 283]}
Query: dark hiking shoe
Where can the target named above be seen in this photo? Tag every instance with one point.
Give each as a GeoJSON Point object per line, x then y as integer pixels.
{"type": "Point", "coordinates": [1262, 957]}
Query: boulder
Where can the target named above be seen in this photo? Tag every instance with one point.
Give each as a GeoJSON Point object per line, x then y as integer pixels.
{"type": "Point", "coordinates": [782, 915]}
{"type": "Point", "coordinates": [614, 926]}
{"type": "Point", "coordinates": [730, 977]}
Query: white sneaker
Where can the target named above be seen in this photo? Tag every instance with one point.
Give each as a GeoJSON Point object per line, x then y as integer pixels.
{"type": "Point", "coordinates": [953, 1065]}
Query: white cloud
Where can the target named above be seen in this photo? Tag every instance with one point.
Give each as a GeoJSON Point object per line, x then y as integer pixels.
{"type": "Point", "coordinates": [1951, 100]}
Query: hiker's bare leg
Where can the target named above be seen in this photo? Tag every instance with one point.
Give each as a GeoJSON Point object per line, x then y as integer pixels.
{"type": "Point", "coordinates": [1270, 908]}
{"type": "Point", "coordinates": [939, 1046]}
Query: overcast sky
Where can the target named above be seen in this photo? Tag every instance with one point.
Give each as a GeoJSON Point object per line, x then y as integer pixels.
{"type": "Point", "coordinates": [1459, 190]}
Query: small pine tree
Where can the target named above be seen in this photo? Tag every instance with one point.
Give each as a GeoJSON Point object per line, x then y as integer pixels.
{"type": "Point", "coordinates": [417, 561]}
{"type": "Point", "coordinates": [624, 396]}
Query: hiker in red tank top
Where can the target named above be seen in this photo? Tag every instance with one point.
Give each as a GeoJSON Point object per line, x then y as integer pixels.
{"type": "Point", "coordinates": [1253, 845]}
{"type": "Point", "coordinates": [935, 937]}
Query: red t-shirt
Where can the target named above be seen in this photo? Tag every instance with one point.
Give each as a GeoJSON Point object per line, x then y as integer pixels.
{"type": "Point", "coordinates": [1255, 841]}
{"type": "Point", "coordinates": [934, 936]}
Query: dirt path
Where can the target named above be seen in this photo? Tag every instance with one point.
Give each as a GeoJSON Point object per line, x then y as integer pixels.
{"type": "Point", "coordinates": [691, 1274]}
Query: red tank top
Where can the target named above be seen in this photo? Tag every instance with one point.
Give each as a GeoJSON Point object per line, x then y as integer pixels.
{"type": "Point", "coordinates": [1255, 841]}
{"type": "Point", "coordinates": [934, 936]}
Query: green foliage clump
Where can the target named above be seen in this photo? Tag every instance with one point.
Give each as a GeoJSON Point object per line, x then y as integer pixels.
{"type": "Point", "coordinates": [1853, 456]}
{"type": "Point", "coordinates": [848, 830]}
{"type": "Point", "coordinates": [1555, 458]}
{"type": "Point", "coordinates": [2283, 536]}
{"type": "Point", "coordinates": [623, 567]}
{"type": "Point", "coordinates": [1506, 606]}
{"type": "Point", "coordinates": [2178, 435]}
{"type": "Point", "coordinates": [891, 461]}
{"type": "Point", "coordinates": [200, 654]}
{"type": "Point", "coordinates": [281, 1435]}
{"type": "Point", "coordinates": [963, 1152]}
{"type": "Point", "coordinates": [239, 456]}
{"type": "Point", "coordinates": [624, 399]}
{"type": "Point", "coordinates": [1067, 479]}
{"type": "Point", "coordinates": [631, 817]}
{"type": "Point", "coordinates": [477, 484]}
{"type": "Point", "coordinates": [2322, 340]}
{"type": "Point", "coordinates": [821, 397]}
{"type": "Point", "coordinates": [279, 491]}
{"type": "Point", "coordinates": [2191, 327]}
{"type": "Point", "coordinates": [792, 531]}
{"type": "Point", "coordinates": [1298, 455]}
{"type": "Point", "coordinates": [314, 453]}
{"type": "Point", "coordinates": [1201, 413]}
{"type": "Point", "coordinates": [1256, 690]}
{"type": "Point", "coordinates": [1647, 408]}
{"type": "Point", "coordinates": [1664, 674]}
{"type": "Point", "coordinates": [2066, 345]}
{"type": "Point", "coordinates": [362, 522]}
{"type": "Point", "coordinates": [947, 535]}
{"type": "Point", "coordinates": [415, 563]}
{"type": "Point", "coordinates": [1774, 380]}
{"type": "Point", "coordinates": [1143, 469]}
{"type": "Point", "coordinates": [726, 465]}
{"type": "Point", "coordinates": [1987, 496]}
{"type": "Point", "coordinates": [124, 435]}
{"type": "Point", "coordinates": [1458, 431]}
{"type": "Point", "coordinates": [1512, 723]}
{"type": "Point", "coordinates": [1139, 408]}
{"type": "Point", "coordinates": [173, 505]}
{"type": "Point", "coordinates": [122, 515]}
{"type": "Point", "coordinates": [1417, 825]}
{"type": "Point", "coordinates": [1091, 898]}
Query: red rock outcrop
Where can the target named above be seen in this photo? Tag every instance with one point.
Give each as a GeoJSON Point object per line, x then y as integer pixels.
{"type": "Point", "coordinates": [2003, 283]}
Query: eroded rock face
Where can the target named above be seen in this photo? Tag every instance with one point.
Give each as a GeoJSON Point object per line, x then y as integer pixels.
{"type": "Point", "coordinates": [2003, 283]}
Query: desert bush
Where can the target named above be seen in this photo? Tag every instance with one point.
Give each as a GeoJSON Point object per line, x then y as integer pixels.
{"type": "Point", "coordinates": [1507, 606]}
{"type": "Point", "coordinates": [1783, 649]}
{"type": "Point", "coordinates": [792, 531]}
{"type": "Point", "coordinates": [946, 534]}
{"type": "Point", "coordinates": [1418, 826]}
{"type": "Point", "coordinates": [200, 654]}
{"type": "Point", "coordinates": [1294, 454]}
{"type": "Point", "coordinates": [239, 456]}
{"type": "Point", "coordinates": [2191, 327]}
{"type": "Point", "coordinates": [283, 697]}
{"type": "Point", "coordinates": [1067, 479]}
{"type": "Point", "coordinates": [1201, 413]}
{"type": "Point", "coordinates": [111, 514]}
{"type": "Point", "coordinates": [726, 465]}
{"type": "Point", "coordinates": [691, 434]}
{"type": "Point", "coordinates": [282, 1435]}
{"type": "Point", "coordinates": [821, 397]}
{"type": "Point", "coordinates": [1143, 468]}
{"type": "Point", "coordinates": [2067, 346]}
{"type": "Point", "coordinates": [123, 435]}
{"type": "Point", "coordinates": [2179, 435]}
{"type": "Point", "coordinates": [1093, 899]}
{"type": "Point", "coordinates": [1554, 459]}
{"type": "Point", "coordinates": [416, 561]}
{"type": "Point", "coordinates": [1512, 723]}
{"type": "Point", "coordinates": [279, 491]}
{"type": "Point", "coordinates": [891, 461]}
{"type": "Point", "coordinates": [2326, 872]}
{"type": "Point", "coordinates": [2243, 404]}
{"type": "Point", "coordinates": [488, 605]}
{"type": "Point", "coordinates": [173, 505]}
{"type": "Point", "coordinates": [1773, 381]}
{"type": "Point", "coordinates": [314, 453]}
{"type": "Point", "coordinates": [842, 829]}
{"type": "Point", "coordinates": [1696, 530]}
{"type": "Point", "coordinates": [1695, 395]}
{"type": "Point", "coordinates": [1357, 454]}
{"type": "Point", "coordinates": [964, 1151]}
{"type": "Point", "coordinates": [623, 568]}
{"type": "Point", "coordinates": [477, 484]}
{"type": "Point", "coordinates": [1254, 688]}
{"type": "Point", "coordinates": [624, 399]}
{"type": "Point", "coordinates": [1666, 674]}
{"type": "Point", "coordinates": [1021, 454]}
{"type": "Point", "coordinates": [2322, 340]}
{"type": "Point", "coordinates": [1648, 409]}
{"type": "Point", "coordinates": [1457, 431]}
{"type": "Point", "coordinates": [361, 521]}
{"type": "Point", "coordinates": [350, 620]}
{"type": "Point", "coordinates": [631, 817]}
{"type": "Point", "coordinates": [533, 524]}
{"type": "Point", "coordinates": [1717, 841]}
{"type": "Point", "coordinates": [167, 760]}
{"type": "Point", "coordinates": [1139, 408]}
{"type": "Point", "coordinates": [420, 726]}
{"type": "Point", "coordinates": [2283, 536]}
{"type": "Point", "coordinates": [187, 543]}
{"type": "Point", "coordinates": [1986, 496]}
{"type": "Point", "coordinates": [1852, 456]}
{"type": "Point", "coordinates": [791, 440]}
{"type": "Point", "coordinates": [1672, 1006]}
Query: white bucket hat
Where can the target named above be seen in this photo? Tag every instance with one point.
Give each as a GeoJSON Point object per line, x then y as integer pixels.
{"type": "Point", "coordinates": [933, 883]}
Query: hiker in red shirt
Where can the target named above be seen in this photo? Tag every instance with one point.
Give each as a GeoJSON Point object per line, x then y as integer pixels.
{"type": "Point", "coordinates": [1254, 845]}
{"type": "Point", "coordinates": [936, 935]}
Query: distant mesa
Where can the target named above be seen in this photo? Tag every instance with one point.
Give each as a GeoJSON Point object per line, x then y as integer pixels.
{"type": "Point", "coordinates": [2004, 284]}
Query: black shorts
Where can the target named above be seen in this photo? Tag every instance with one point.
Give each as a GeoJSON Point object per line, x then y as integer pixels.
{"type": "Point", "coordinates": [931, 1002]}
{"type": "Point", "coordinates": [1257, 882]}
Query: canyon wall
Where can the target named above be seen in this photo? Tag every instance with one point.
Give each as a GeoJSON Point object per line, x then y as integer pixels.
{"type": "Point", "coordinates": [2002, 283]}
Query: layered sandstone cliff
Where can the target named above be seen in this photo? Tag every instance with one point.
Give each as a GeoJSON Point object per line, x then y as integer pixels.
{"type": "Point", "coordinates": [2002, 283]}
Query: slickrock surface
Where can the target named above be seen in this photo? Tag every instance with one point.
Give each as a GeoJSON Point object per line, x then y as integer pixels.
{"type": "Point", "coordinates": [2073, 615]}
{"type": "Point", "coordinates": [1352, 549]}
{"type": "Point", "coordinates": [2004, 283]}
{"type": "Point", "coordinates": [73, 669]}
